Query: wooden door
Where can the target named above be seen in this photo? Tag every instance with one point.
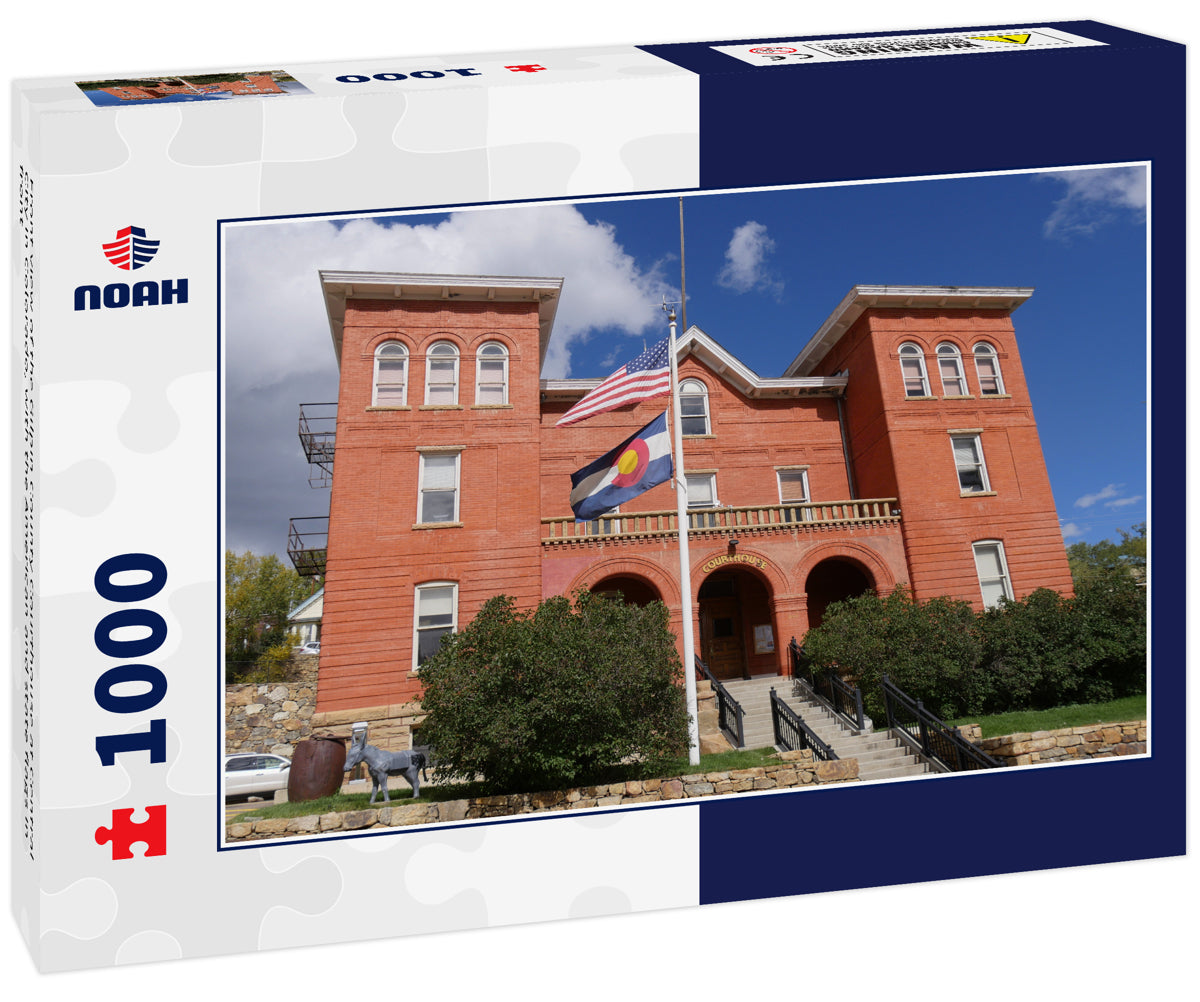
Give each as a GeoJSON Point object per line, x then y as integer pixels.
{"type": "Point", "coordinates": [722, 645]}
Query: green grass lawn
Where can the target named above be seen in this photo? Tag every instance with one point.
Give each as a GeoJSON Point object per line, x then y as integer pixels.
{"type": "Point", "coordinates": [1129, 708]}
{"type": "Point", "coordinates": [720, 762]}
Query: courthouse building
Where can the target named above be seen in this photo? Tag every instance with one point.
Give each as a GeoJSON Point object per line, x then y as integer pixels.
{"type": "Point", "coordinates": [898, 447]}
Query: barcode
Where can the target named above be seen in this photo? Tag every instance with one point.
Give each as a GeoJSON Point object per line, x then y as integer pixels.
{"type": "Point", "coordinates": [887, 48]}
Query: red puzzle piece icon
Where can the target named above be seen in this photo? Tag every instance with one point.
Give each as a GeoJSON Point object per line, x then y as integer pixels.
{"type": "Point", "coordinates": [124, 832]}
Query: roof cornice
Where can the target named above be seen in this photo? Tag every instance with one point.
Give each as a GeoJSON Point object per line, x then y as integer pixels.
{"type": "Point", "coordinates": [863, 297]}
{"type": "Point", "coordinates": [724, 364]}
{"type": "Point", "coordinates": [338, 286]}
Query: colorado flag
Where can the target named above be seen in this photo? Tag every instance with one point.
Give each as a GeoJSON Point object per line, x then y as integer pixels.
{"type": "Point", "coordinates": [640, 462]}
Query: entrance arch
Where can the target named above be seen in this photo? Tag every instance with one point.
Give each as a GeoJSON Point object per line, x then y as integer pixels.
{"type": "Point", "coordinates": [834, 579]}
{"type": "Point", "coordinates": [632, 589]}
{"type": "Point", "coordinates": [737, 624]}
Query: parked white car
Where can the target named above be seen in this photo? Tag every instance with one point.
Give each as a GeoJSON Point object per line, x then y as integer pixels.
{"type": "Point", "coordinates": [312, 647]}
{"type": "Point", "coordinates": [255, 775]}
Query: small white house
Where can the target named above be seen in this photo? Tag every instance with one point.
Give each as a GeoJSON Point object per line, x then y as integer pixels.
{"type": "Point", "coordinates": [305, 619]}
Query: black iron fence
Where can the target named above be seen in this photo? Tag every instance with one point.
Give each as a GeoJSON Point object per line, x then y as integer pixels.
{"type": "Point", "coordinates": [729, 710]}
{"type": "Point", "coordinates": [925, 733]}
{"type": "Point", "coordinates": [827, 688]}
{"type": "Point", "coordinates": [792, 733]}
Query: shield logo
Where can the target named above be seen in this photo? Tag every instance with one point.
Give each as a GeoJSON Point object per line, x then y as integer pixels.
{"type": "Point", "coordinates": [131, 249]}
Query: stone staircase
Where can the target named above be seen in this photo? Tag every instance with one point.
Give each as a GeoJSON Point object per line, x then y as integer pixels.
{"type": "Point", "coordinates": [880, 756]}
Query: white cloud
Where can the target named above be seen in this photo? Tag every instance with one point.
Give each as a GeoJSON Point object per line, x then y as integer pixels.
{"type": "Point", "coordinates": [1094, 197]}
{"type": "Point", "coordinates": [1110, 495]}
{"type": "Point", "coordinates": [745, 266]}
{"type": "Point", "coordinates": [278, 350]}
{"type": "Point", "coordinates": [277, 325]}
{"type": "Point", "coordinates": [1103, 494]}
{"type": "Point", "coordinates": [1070, 530]}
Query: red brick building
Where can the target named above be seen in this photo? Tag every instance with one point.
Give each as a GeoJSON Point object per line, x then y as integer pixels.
{"type": "Point", "coordinates": [153, 90]}
{"type": "Point", "coordinates": [898, 447]}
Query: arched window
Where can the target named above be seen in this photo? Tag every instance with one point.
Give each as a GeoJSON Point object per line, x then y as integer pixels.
{"type": "Point", "coordinates": [912, 368]}
{"type": "Point", "coordinates": [391, 375]}
{"type": "Point", "coordinates": [987, 367]}
{"type": "Point", "coordinates": [951, 370]}
{"type": "Point", "coordinates": [491, 374]}
{"type": "Point", "coordinates": [693, 407]}
{"type": "Point", "coordinates": [441, 374]}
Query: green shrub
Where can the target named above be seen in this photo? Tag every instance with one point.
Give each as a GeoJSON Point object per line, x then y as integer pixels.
{"type": "Point", "coordinates": [931, 650]}
{"type": "Point", "coordinates": [1040, 652]}
{"type": "Point", "coordinates": [549, 698]}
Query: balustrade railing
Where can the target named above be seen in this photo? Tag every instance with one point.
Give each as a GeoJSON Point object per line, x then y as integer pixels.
{"type": "Point", "coordinates": [730, 715]}
{"type": "Point", "coordinates": [908, 718]}
{"type": "Point", "coordinates": [792, 733]}
{"type": "Point", "coordinates": [827, 688]}
{"type": "Point", "coordinates": [701, 521]}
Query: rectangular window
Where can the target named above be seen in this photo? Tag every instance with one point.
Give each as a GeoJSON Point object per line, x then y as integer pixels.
{"type": "Point", "coordinates": [793, 488]}
{"type": "Point", "coordinates": [992, 569]}
{"type": "Point", "coordinates": [438, 501]}
{"type": "Point", "coordinates": [702, 493]}
{"type": "Point", "coordinates": [968, 459]}
{"type": "Point", "coordinates": [436, 614]}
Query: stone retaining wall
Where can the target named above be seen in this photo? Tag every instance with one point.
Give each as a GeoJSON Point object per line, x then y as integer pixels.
{"type": "Point", "coordinates": [272, 717]}
{"type": "Point", "coordinates": [391, 727]}
{"type": "Point", "coordinates": [268, 718]}
{"type": "Point", "coordinates": [1068, 744]}
{"type": "Point", "coordinates": [795, 769]}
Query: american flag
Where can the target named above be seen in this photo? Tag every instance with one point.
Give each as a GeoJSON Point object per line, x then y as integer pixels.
{"type": "Point", "coordinates": [646, 377]}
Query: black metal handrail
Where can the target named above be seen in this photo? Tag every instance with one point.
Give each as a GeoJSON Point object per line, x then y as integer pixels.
{"type": "Point", "coordinates": [793, 733]}
{"type": "Point", "coordinates": [730, 715]}
{"type": "Point", "coordinates": [828, 689]}
{"type": "Point", "coordinates": [933, 738]}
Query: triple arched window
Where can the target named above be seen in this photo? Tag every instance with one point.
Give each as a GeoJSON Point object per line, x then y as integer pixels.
{"type": "Point", "coordinates": [951, 370]}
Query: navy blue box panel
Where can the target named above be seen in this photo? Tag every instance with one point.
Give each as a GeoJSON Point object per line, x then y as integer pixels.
{"type": "Point", "coordinates": [937, 829]}
{"type": "Point", "coordinates": [934, 114]}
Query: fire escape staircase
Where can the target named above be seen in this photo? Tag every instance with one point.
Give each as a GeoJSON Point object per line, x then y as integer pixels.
{"type": "Point", "coordinates": [308, 536]}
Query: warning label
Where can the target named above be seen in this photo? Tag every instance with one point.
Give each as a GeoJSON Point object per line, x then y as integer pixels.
{"type": "Point", "coordinates": [786, 53]}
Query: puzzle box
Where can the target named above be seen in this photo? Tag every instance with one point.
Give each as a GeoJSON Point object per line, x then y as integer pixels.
{"type": "Point", "coordinates": [129, 510]}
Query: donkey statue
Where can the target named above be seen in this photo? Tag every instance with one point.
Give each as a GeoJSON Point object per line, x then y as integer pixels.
{"type": "Point", "coordinates": [381, 764]}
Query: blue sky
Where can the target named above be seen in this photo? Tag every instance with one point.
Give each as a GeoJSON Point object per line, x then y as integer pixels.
{"type": "Point", "coordinates": [764, 269]}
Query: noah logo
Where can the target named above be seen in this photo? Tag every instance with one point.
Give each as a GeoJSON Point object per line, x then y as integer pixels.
{"type": "Point", "coordinates": [131, 250]}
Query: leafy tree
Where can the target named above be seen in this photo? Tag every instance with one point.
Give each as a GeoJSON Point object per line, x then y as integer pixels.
{"type": "Point", "coordinates": [1101, 560]}
{"type": "Point", "coordinates": [1110, 594]}
{"type": "Point", "coordinates": [260, 591]}
{"type": "Point", "coordinates": [1036, 653]}
{"type": "Point", "coordinates": [549, 698]}
{"type": "Point", "coordinates": [931, 650]}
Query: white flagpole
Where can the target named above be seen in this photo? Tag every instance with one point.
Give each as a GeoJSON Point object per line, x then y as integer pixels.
{"type": "Point", "coordinates": [685, 572]}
